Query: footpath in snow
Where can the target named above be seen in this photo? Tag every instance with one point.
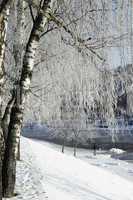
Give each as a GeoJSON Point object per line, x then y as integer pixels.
{"type": "Point", "coordinates": [28, 183]}
{"type": "Point", "coordinates": [68, 178]}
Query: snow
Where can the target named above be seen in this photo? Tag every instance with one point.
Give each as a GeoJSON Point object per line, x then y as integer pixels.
{"type": "Point", "coordinates": [103, 159]}
{"type": "Point", "coordinates": [116, 151]}
{"type": "Point", "coordinates": [69, 178]}
{"type": "Point", "coordinates": [45, 173]}
{"type": "Point", "coordinates": [28, 183]}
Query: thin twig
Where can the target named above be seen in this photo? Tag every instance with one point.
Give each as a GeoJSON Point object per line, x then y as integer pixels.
{"type": "Point", "coordinates": [48, 30]}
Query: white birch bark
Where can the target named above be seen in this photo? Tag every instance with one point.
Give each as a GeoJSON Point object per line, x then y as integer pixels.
{"type": "Point", "coordinates": [17, 111]}
{"type": "Point", "coordinates": [4, 13]}
{"type": "Point", "coordinates": [3, 33]}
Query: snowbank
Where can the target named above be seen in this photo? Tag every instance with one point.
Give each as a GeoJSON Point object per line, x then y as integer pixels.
{"type": "Point", "coordinates": [116, 151]}
{"type": "Point", "coordinates": [121, 154]}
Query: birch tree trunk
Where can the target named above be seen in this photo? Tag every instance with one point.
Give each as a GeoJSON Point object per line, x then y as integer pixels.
{"type": "Point", "coordinates": [6, 117]}
{"type": "Point", "coordinates": [17, 112]}
{"type": "Point", "coordinates": [3, 33]}
{"type": "Point", "coordinates": [4, 13]}
{"type": "Point", "coordinates": [18, 47]}
{"type": "Point", "coordinates": [1, 158]}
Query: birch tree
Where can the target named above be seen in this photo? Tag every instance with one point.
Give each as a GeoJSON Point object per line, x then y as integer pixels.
{"type": "Point", "coordinates": [4, 14]}
{"type": "Point", "coordinates": [17, 112]}
{"type": "Point", "coordinates": [88, 39]}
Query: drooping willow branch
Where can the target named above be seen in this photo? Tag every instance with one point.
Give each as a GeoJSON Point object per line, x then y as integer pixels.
{"type": "Point", "coordinates": [77, 40]}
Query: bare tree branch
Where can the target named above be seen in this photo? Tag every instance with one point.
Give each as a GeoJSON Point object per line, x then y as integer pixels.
{"type": "Point", "coordinates": [77, 40]}
{"type": "Point", "coordinates": [48, 30]}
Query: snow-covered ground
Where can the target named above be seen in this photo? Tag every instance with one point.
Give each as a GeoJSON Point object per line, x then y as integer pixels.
{"type": "Point", "coordinates": [64, 177]}
{"type": "Point", "coordinates": [69, 178]}
{"type": "Point", "coordinates": [103, 159]}
{"type": "Point", "coordinates": [28, 184]}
